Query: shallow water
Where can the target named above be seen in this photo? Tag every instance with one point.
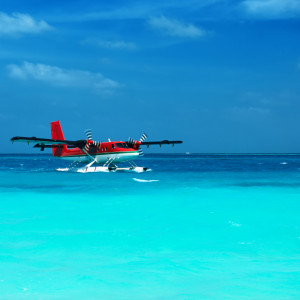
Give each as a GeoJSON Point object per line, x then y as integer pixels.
{"type": "Point", "coordinates": [195, 227]}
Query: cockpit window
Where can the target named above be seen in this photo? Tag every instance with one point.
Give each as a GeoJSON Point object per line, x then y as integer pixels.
{"type": "Point", "coordinates": [121, 145]}
{"type": "Point", "coordinates": [93, 149]}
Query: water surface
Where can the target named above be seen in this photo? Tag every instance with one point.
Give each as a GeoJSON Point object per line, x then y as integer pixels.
{"type": "Point", "coordinates": [195, 227]}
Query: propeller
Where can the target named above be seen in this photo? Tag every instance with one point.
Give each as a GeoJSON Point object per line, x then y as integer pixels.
{"type": "Point", "coordinates": [143, 137]}
{"type": "Point", "coordinates": [141, 153]}
{"type": "Point", "coordinates": [131, 143]}
{"type": "Point", "coordinates": [88, 133]}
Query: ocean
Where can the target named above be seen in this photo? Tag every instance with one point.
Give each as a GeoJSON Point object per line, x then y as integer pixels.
{"type": "Point", "coordinates": [194, 227]}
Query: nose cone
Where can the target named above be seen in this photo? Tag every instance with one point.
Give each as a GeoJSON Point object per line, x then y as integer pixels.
{"type": "Point", "coordinates": [137, 145]}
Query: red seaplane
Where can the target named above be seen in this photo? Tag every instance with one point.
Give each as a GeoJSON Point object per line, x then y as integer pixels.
{"type": "Point", "coordinates": [103, 155]}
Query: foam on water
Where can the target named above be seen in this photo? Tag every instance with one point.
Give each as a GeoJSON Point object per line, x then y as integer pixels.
{"type": "Point", "coordinates": [234, 224]}
{"type": "Point", "coordinates": [145, 180]}
{"type": "Point", "coordinates": [211, 227]}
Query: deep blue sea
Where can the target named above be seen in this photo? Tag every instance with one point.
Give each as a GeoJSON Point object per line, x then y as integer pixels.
{"type": "Point", "coordinates": [195, 227]}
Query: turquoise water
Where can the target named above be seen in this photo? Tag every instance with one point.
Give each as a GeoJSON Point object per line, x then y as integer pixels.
{"type": "Point", "coordinates": [210, 227]}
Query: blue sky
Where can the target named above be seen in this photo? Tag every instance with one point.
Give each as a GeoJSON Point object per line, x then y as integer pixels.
{"type": "Point", "coordinates": [223, 76]}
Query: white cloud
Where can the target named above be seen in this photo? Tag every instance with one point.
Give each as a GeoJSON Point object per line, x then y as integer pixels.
{"type": "Point", "coordinates": [272, 8]}
{"type": "Point", "coordinates": [126, 10]}
{"type": "Point", "coordinates": [176, 28]}
{"type": "Point", "coordinates": [248, 111]}
{"type": "Point", "coordinates": [19, 23]}
{"type": "Point", "coordinates": [118, 45]}
{"type": "Point", "coordinates": [62, 77]}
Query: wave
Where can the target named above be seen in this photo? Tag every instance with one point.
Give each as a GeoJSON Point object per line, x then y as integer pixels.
{"type": "Point", "coordinates": [144, 180]}
{"type": "Point", "coordinates": [234, 224]}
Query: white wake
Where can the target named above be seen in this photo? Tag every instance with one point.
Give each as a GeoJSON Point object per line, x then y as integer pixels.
{"type": "Point", "coordinates": [144, 180]}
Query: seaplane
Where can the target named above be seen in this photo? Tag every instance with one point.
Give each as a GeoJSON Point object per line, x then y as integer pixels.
{"type": "Point", "coordinates": [91, 156]}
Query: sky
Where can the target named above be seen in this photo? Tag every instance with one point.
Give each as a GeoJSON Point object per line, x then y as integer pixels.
{"type": "Point", "coordinates": [221, 75]}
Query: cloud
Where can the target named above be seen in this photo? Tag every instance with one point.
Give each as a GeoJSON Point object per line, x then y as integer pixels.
{"type": "Point", "coordinates": [19, 23]}
{"type": "Point", "coordinates": [247, 112]}
{"type": "Point", "coordinates": [62, 77]}
{"type": "Point", "coordinates": [272, 8]}
{"type": "Point", "coordinates": [118, 45]}
{"type": "Point", "coordinates": [136, 10]}
{"type": "Point", "coordinates": [175, 28]}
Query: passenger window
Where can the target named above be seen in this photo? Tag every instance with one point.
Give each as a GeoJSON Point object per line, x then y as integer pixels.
{"type": "Point", "coordinates": [113, 146]}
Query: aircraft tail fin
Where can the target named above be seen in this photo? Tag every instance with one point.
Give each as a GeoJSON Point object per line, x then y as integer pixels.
{"type": "Point", "coordinates": [57, 134]}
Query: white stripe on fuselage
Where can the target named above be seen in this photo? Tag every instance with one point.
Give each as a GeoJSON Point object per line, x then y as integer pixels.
{"type": "Point", "coordinates": [103, 157]}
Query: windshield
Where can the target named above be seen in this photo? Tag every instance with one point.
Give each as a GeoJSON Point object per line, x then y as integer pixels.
{"type": "Point", "coordinates": [121, 145]}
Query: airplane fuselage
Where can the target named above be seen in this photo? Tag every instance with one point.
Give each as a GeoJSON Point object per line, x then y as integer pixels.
{"type": "Point", "coordinates": [116, 151]}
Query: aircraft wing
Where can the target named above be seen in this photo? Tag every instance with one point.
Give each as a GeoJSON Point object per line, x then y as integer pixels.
{"type": "Point", "coordinates": [164, 142]}
{"type": "Point", "coordinates": [44, 142]}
